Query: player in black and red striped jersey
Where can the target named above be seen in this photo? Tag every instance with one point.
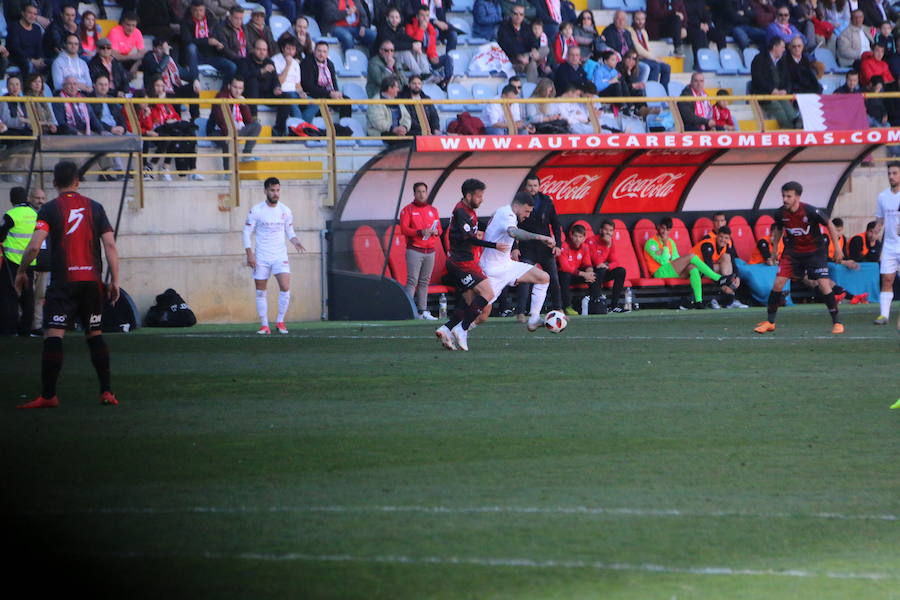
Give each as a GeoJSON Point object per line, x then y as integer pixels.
{"type": "Point", "coordinates": [462, 266]}
{"type": "Point", "coordinates": [76, 226]}
{"type": "Point", "coordinates": [805, 252]}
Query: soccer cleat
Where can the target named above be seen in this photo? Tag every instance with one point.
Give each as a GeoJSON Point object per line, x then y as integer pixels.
{"type": "Point", "coordinates": [840, 297]}
{"type": "Point", "coordinates": [714, 304]}
{"type": "Point", "coordinates": [571, 312]}
{"type": "Point", "coordinates": [699, 305]}
{"type": "Point", "coordinates": [264, 330]}
{"type": "Point", "coordinates": [619, 309]}
{"type": "Point", "coordinates": [860, 299]}
{"type": "Point", "coordinates": [737, 304]}
{"type": "Point", "coordinates": [837, 328]}
{"type": "Point", "coordinates": [446, 338]}
{"type": "Point", "coordinates": [281, 327]}
{"type": "Point", "coordinates": [895, 404]}
{"type": "Point", "coordinates": [881, 320]}
{"type": "Point", "coordinates": [461, 337]}
{"type": "Point", "coordinates": [41, 402]}
{"type": "Point", "coordinates": [764, 327]}
{"type": "Point", "coordinates": [534, 323]}
{"type": "Point", "coordinates": [108, 399]}
{"type": "Point", "coordinates": [427, 316]}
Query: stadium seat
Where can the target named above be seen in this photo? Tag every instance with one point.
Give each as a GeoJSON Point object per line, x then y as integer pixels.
{"type": "Point", "coordinates": [436, 285]}
{"type": "Point", "coordinates": [730, 62]}
{"type": "Point", "coordinates": [316, 33]}
{"type": "Point", "coordinates": [625, 253]}
{"type": "Point", "coordinates": [396, 254]}
{"type": "Point", "coordinates": [824, 56]}
{"type": "Point", "coordinates": [456, 91]}
{"type": "Point", "coordinates": [463, 5]}
{"type": "Point", "coordinates": [355, 64]}
{"type": "Point", "coordinates": [356, 92]}
{"type": "Point", "coordinates": [679, 233]}
{"type": "Point", "coordinates": [588, 229]}
{"type": "Point", "coordinates": [644, 230]}
{"type": "Point", "coordinates": [749, 55]}
{"type": "Point", "coordinates": [279, 24]}
{"type": "Point", "coordinates": [613, 4]}
{"type": "Point", "coordinates": [482, 91]}
{"type": "Point", "coordinates": [763, 226]}
{"type": "Point", "coordinates": [319, 123]}
{"type": "Point", "coordinates": [701, 229]}
{"type": "Point", "coordinates": [434, 92]}
{"type": "Point", "coordinates": [528, 89]}
{"type": "Point", "coordinates": [655, 89]}
{"type": "Point", "coordinates": [707, 60]}
{"type": "Point", "coordinates": [675, 88]}
{"type": "Point", "coordinates": [359, 130]}
{"type": "Point", "coordinates": [633, 5]}
{"type": "Point", "coordinates": [742, 237]}
{"type": "Point", "coordinates": [466, 36]}
{"type": "Point", "coordinates": [201, 130]}
{"type": "Point", "coordinates": [367, 251]}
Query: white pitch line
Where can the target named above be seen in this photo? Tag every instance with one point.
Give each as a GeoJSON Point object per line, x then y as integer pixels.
{"type": "Point", "coordinates": [450, 510]}
{"type": "Point", "coordinates": [551, 564]}
{"type": "Point", "coordinates": [640, 338]}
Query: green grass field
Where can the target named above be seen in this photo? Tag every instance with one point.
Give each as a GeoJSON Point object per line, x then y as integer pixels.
{"type": "Point", "coordinates": [661, 454]}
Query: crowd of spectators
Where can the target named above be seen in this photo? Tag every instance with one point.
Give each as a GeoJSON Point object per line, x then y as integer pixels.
{"type": "Point", "coordinates": [410, 43]}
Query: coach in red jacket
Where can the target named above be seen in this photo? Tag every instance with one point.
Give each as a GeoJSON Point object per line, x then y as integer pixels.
{"type": "Point", "coordinates": [421, 226]}
{"type": "Point", "coordinates": [606, 267]}
{"type": "Point", "coordinates": [575, 267]}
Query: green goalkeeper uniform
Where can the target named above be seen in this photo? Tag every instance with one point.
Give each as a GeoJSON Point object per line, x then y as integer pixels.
{"type": "Point", "coordinates": [655, 252]}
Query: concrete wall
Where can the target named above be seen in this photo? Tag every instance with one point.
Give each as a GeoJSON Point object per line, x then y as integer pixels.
{"type": "Point", "coordinates": [856, 202]}
{"type": "Point", "coordinates": [186, 238]}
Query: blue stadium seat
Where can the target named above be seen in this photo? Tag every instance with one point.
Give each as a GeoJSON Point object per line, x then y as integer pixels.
{"type": "Point", "coordinates": [675, 88]}
{"type": "Point", "coordinates": [355, 64]}
{"type": "Point", "coordinates": [481, 91]}
{"type": "Point", "coordinates": [201, 130]}
{"type": "Point", "coordinates": [320, 123]}
{"type": "Point", "coordinates": [613, 4]}
{"type": "Point", "coordinates": [279, 24]}
{"type": "Point", "coordinates": [824, 56]}
{"type": "Point", "coordinates": [749, 55]}
{"type": "Point", "coordinates": [356, 92]}
{"type": "Point", "coordinates": [456, 91]}
{"type": "Point", "coordinates": [316, 33]}
{"type": "Point", "coordinates": [633, 5]}
{"type": "Point", "coordinates": [730, 62]}
{"type": "Point", "coordinates": [655, 89]}
{"type": "Point", "coordinates": [359, 130]}
{"type": "Point", "coordinates": [528, 89]}
{"type": "Point", "coordinates": [463, 5]}
{"type": "Point", "coordinates": [707, 60]}
{"type": "Point", "coordinates": [466, 36]}
{"type": "Point", "coordinates": [433, 91]}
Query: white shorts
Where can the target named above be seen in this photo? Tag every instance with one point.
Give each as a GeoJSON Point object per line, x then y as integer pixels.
{"type": "Point", "coordinates": [265, 268]}
{"type": "Point", "coordinates": [890, 262]}
{"type": "Point", "coordinates": [505, 275]}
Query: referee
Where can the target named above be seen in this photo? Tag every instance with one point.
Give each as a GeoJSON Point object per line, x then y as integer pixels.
{"type": "Point", "coordinates": [544, 221]}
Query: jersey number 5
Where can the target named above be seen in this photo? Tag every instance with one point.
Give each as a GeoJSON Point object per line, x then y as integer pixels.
{"type": "Point", "coordinates": [76, 217]}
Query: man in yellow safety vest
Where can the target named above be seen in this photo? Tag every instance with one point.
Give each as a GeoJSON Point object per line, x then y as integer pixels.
{"type": "Point", "coordinates": [15, 233]}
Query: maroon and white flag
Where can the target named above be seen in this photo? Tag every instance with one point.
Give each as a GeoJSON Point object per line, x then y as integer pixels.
{"type": "Point", "coordinates": [834, 112]}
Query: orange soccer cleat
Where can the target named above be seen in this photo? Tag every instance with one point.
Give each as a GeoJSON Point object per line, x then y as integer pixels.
{"type": "Point", "coordinates": [837, 328]}
{"type": "Point", "coordinates": [41, 402]}
{"type": "Point", "coordinates": [860, 299]}
{"type": "Point", "coordinates": [764, 327]}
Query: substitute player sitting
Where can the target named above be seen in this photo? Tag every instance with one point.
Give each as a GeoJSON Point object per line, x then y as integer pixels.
{"type": "Point", "coordinates": [664, 262]}
{"type": "Point", "coordinates": [272, 221]}
{"type": "Point", "coordinates": [716, 252]}
{"type": "Point", "coordinates": [501, 269]}
{"type": "Point", "coordinates": [804, 255]}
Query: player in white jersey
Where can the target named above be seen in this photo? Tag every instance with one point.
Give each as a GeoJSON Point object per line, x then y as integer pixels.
{"type": "Point", "coordinates": [501, 269]}
{"type": "Point", "coordinates": [887, 217]}
{"type": "Point", "coordinates": [272, 222]}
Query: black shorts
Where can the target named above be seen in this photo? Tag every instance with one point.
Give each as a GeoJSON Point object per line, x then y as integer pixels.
{"type": "Point", "coordinates": [794, 265]}
{"type": "Point", "coordinates": [67, 303]}
{"type": "Point", "coordinates": [465, 275]}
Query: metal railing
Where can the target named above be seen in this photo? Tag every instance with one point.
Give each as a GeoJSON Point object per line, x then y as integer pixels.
{"type": "Point", "coordinates": [332, 151]}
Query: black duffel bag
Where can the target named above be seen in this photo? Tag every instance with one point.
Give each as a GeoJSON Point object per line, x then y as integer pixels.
{"type": "Point", "coordinates": [170, 310]}
{"type": "Point", "coordinates": [122, 316]}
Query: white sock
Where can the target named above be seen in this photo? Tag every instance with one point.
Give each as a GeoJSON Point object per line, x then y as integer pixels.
{"type": "Point", "coordinates": [885, 300]}
{"type": "Point", "coordinates": [284, 300]}
{"type": "Point", "coordinates": [538, 293]}
{"type": "Point", "coordinates": [262, 307]}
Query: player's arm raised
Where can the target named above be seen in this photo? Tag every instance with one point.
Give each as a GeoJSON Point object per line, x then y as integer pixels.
{"type": "Point", "coordinates": [112, 258]}
{"type": "Point", "coordinates": [31, 252]}
{"type": "Point", "coordinates": [525, 236]}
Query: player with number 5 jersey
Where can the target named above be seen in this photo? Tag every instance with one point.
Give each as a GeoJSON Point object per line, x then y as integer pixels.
{"type": "Point", "coordinates": [76, 226]}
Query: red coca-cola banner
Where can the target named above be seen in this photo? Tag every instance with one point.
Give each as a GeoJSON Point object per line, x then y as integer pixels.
{"type": "Point", "coordinates": [634, 141]}
{"type": "Point", "coordinates": [589, 157]}
{"type": "Point", "coordinates": [647, 189]}
{"type": "Point", "coordinates": [574, 189]}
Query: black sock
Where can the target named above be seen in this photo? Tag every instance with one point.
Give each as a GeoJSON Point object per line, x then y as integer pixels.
{"type": "Point", "coordinates": [774, 301]}
{"type": "Point", "coordinates": [831, 303]}
{"type": "Point", "coordinates": [51, 364]}
{"type": "Point", "coordinates": [839, 290]}
{"type": "Point", "coordinates": [100, 360]}
{"type": "Point", "coordinates": [458, 314]}
{"type": "Point", "coordinates": [473, 310]}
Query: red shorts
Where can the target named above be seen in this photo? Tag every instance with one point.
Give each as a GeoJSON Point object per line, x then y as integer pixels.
{"type": "Point", "coordinates": [466, 275]}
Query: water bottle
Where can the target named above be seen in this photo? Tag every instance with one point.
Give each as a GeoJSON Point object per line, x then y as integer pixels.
{"type": "Point", "coordinates": [629, 299]}
{"type": "Point", "coordinates": [442, 306]}
{"type": "Point", "coordinates": [585, 302]}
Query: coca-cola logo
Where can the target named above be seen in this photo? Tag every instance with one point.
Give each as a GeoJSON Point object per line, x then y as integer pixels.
{"type": "Point", "coordinates": [574, 188]}
{"type": "Point", "coordinates": [658, 186]}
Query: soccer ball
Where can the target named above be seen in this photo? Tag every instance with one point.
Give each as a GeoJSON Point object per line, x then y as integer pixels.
{"type": "Point", "coordinates": [555, 321]}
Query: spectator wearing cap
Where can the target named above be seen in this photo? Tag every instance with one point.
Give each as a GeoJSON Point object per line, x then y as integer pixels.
{"type": "Point", "coordinates": [201, 46]}
{"type": "Point", "coordinates": [257, 29]}
{"type": "Point", "coordinates": [157, 18]}
{"type": "Point", "coordinates": [104, 64]}
{"type": "Point", "coordinates": [62, 25]}
{"type": "Point", "coordinates": [128, 42]}
{"type": "Point", "coordinates": [69, 64]}
{"type": "Point", "coordinates": [177, 80]}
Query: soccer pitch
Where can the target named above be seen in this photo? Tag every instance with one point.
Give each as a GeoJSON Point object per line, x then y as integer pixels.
{"type": "Point", "coordinates": [658, 454]}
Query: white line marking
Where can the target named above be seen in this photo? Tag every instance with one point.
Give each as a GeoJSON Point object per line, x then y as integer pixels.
{"type": "Point", "coordinates": [450, 510]}
{"type": "Point", "coordinates": [539, 338]}
{"type": "Point", "coordinates": [541, 564]}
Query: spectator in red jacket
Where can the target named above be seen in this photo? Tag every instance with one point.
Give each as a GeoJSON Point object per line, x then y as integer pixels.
{"type": "Point", "coordinates": [420, 224]}
{"type": "Point", "coordinates": [606, 266]}
{"type": "Point", "coordinates": [575, 267]}
{"type": "Point", "coordinates": [872, 63]}
{"type": "Point", "coordinates": [422, 31]}
{"type": "Point", "coordinates": [564, 40]}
